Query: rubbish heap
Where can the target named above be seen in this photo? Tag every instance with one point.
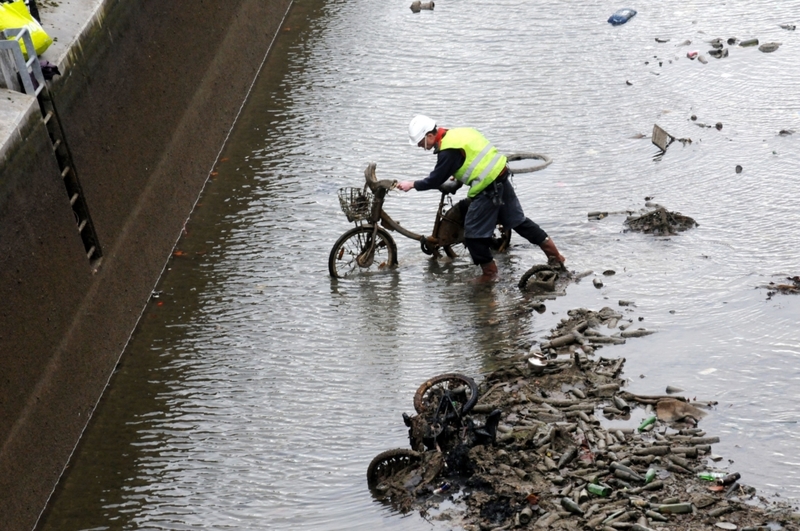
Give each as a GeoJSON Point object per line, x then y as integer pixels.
{"type": "Point", "coordinates": [660, 222]}
{"type": "Point", "coordinates": [557, 462]}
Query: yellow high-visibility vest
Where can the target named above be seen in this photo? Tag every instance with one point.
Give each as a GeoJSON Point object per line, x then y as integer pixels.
{"type": "Point", "coordinates": [483, 163]}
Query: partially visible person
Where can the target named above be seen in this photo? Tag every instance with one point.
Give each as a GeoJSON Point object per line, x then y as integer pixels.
{"type": "Point", "coordinates": [467, 156]}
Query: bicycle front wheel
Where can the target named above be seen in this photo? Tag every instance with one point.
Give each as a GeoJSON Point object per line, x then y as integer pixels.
{"type": "Point", "coordinates": [461, 388]}
{"type": "Point", "coordinates": [350, 254]}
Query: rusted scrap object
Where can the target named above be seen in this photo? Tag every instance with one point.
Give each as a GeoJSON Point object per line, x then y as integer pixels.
{"type": "Point", "coordinates": [661, 138]}
{"type": "Point", "coordinates": [417, 6]}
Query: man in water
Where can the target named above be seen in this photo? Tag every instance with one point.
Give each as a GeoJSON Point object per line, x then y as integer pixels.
{"type": "Point", "coordinates": [467, 156]}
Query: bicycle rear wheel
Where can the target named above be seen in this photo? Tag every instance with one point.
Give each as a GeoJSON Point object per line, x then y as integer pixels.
{"type": "Point", "coordinates": [389, 463]}
{"type": "Point", "coordinates": [349, 254]}
{"type": "Point", "coordinates": [462, 388]}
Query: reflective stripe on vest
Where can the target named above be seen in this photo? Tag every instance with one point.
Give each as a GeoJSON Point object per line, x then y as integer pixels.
{"type": "Point", "coordinates": [482, 164]}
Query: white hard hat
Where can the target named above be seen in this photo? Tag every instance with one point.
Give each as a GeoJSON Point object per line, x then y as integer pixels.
{"type": "Point", "coordinates": [420, 125]}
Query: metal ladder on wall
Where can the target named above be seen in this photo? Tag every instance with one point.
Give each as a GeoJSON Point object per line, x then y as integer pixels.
{"type": "Point", "coordinates": [32, 82]}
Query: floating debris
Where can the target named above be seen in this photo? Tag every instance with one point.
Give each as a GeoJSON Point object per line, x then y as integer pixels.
{"type": "Point", "coordinates": [769, 47]}
{"type": "Point", "coordinates": [662, 139]}
{"type": "Point", "coordinates": [793, 287]}
{"type": "Point", "coordinates": [418, 6]}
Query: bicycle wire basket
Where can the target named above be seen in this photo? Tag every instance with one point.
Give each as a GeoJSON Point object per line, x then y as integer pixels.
{"type": "Point", "coordinates": [356, 203]}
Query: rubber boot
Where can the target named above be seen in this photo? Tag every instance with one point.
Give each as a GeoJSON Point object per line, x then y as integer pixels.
{"type": "Point", "coordinates": [489, 273]}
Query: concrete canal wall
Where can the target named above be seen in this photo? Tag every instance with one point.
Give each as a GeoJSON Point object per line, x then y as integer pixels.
{"type": "Point", "coordinates": [148, 93]}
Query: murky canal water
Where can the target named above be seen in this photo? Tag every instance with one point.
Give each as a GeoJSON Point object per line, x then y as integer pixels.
{"type": "Point", "coordinates": [255, 391]}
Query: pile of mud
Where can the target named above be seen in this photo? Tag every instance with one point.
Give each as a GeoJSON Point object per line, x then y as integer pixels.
{"type": "Point", "coordinates": [552, 464]}
{"type": "Point", "coordinates": [660, 222]}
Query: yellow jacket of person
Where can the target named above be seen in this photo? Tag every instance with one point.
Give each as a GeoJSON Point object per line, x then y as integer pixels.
{"type": "Point", "coordinates": [483, 164]}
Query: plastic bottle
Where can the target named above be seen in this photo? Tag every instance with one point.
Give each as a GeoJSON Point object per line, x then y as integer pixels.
{"type": "Point", "coordinates": [444, 487]}
{"type": "Point", "coordinates": [621, 16]}
{"type": "Point", "coordinates": [646, 422]}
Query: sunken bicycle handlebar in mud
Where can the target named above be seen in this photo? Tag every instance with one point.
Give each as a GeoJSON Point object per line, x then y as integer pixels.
{"type": "Point", "coordinates": [370, 247]}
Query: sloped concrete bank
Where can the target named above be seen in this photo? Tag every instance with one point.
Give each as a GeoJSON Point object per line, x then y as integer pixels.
{"type": "Point", "coordinates": [148, 93]}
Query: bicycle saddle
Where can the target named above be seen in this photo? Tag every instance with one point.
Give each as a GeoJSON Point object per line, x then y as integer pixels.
{"type": "Point", "coordinates": [450, 186]}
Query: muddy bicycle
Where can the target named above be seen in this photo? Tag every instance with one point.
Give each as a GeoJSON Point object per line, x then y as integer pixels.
{"type": "Point", "coordinates": [440, 426]}
{"type": "Point", "coordinates": [369, 246]}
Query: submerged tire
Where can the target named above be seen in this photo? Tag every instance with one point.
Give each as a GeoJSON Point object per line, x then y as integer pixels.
{"type": "Point", "coordinates": [426, 396]}
{"type": "Point", "coordinates": [388, 463]}
{"type": "Point", "coordinates": [343, 259]}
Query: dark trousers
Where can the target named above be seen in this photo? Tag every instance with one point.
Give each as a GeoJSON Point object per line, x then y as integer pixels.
{"type": "Point", "coordinates": [498, 203]}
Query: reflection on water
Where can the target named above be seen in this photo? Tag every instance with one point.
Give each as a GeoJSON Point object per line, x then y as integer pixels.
{"type": "Point", "coordinates": [256, 390]}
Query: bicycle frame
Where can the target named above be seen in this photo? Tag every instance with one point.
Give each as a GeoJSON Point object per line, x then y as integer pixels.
{"type": "Point", "coordinates": [446, 230]}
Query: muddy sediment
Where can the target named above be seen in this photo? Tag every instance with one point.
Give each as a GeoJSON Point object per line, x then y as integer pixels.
{"type": "Point", "coordinates": [558, 459]}
{"type": "Point", "coordinates": [660, 221]}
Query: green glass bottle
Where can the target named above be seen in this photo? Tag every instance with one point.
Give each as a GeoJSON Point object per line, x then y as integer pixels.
{"type": "Point", "coordinates": [646, 422]}
{"type": "Point", "coordinates": [650, 475]}
{"type": "Point", "coordinates": [710, 476]}
{"type": "Point", "coordinates": [599, 490]}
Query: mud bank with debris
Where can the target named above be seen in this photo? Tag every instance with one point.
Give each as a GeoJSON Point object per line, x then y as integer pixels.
{"type": "Point", "coordinates": [574, 450]}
